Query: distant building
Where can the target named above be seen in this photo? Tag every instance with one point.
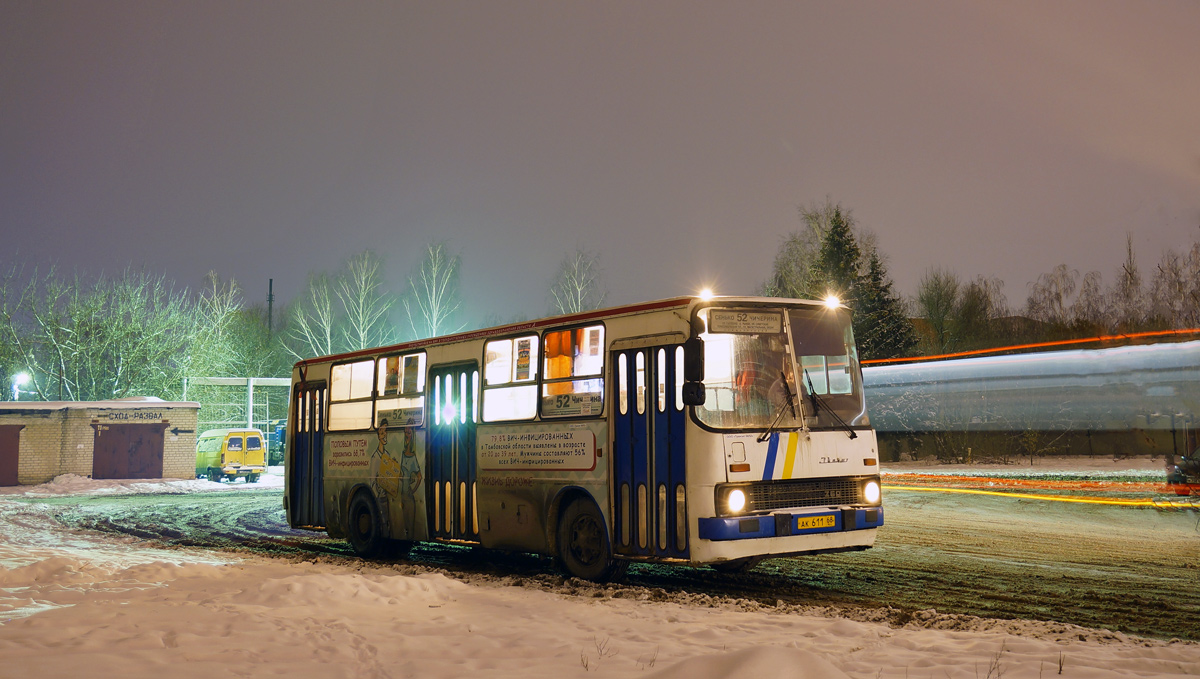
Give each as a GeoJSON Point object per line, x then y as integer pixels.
{"type": "Point", "coordinates": [140, 438]}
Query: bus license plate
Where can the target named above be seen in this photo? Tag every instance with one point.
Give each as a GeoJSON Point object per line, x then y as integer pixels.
{"type": "Point", "coordinates": [809, 522]}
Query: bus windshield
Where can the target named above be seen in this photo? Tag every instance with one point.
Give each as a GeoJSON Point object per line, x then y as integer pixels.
{"type": "Point", "coordinates": [755, 358]}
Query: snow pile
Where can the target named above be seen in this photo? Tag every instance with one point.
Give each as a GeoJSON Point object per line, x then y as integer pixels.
{"type": "Point", "coordinates": [74, 603]}
{"type": "Point", "coordinates": [259, 617]}
{"type": "Point", "coordinates": [74, 484]}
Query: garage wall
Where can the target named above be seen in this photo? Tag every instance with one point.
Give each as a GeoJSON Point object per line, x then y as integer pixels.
{"type": "Point", "coordinates": [58, 438]}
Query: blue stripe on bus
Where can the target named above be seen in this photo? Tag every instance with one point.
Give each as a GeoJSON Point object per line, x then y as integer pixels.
{"type": "Point", "coordinates": [749, 527]}
{"type": "Point", "coordinates": [772, 448]}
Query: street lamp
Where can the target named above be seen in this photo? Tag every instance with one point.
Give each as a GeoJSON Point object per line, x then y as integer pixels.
{"type": "Point", "coordinates": [19, 380]}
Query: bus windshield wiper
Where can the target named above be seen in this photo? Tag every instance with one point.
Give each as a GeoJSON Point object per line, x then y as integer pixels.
{"type": "Point", "coordinates": [817, 402]}
{"type": "Point", "coordinates": [789, 402]}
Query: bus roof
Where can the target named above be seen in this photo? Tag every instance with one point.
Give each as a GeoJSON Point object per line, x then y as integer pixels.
{"type": "Point", "coordinates": [563, 319]}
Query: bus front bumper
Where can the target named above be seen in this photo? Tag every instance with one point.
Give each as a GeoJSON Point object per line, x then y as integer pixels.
{"type": "Point", "coordinates": [781, 524]}
{"type": "Point", "coordinates": [245, 470]}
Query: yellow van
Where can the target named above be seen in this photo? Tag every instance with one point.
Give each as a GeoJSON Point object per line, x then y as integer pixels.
{"type": "Point", "coordinates": [230, 453]}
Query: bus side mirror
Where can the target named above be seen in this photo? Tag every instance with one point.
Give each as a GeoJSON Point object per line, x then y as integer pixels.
{"type": "Point", "coordinates": [693, 360]}
{"type": "Point", "coordinates": [693, 394]}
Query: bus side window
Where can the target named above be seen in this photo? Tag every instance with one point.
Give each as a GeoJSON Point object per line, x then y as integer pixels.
{"type": "Point", "coordinates": [401, 381]}
{"type": "Point", "coordinates": [573, 372]}
{"type": "Point", "coordinates": [350, 390]}
{"type": "Point", "coordinates": [510, 370]}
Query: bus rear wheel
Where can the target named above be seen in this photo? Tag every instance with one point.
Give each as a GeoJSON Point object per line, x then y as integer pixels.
{"type": "Point", "coordinates": [583, 546]}
{"type": "Point", "coordinates": [364, 529]}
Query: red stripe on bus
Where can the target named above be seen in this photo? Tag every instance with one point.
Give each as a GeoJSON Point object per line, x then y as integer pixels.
{"type": "Point", "coordinates": [503, 330]}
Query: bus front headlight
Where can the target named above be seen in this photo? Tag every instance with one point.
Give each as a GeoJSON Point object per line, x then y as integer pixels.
{"type": "Point", "coordinates": [735, 501]}
{"type": "Point", "coordinates": [871, 492]}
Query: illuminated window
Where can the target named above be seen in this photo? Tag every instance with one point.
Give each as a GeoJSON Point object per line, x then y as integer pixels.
{"type": "Point", "coordinates": [510, 379]}
{"type": "Point", "coordinates": [569, 355]}
{"type": "Point", "coordinates": [401, 381]}
{"type": "Point", "coordinates": [623, 383]}
{"type": "Point", "coordinates": [639, 377]}
{"type": "Point", "coordinates": [660, 386]}
{"type": "Point", "coordinates": [678, 378]}
{"type": "Point", "coordinates": [350, 390]}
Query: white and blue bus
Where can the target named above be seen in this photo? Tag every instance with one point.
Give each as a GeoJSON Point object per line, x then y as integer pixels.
{"type": "Point", "coordinates": [687, 431]}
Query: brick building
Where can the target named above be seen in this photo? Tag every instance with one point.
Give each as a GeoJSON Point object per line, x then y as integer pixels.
{"type": "Point", "coordinates": [141, 438]}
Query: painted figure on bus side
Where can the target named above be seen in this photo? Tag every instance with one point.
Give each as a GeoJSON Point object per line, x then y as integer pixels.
{"type": "Point", "coordinates": [410, 482]}
{"type": "Point", "coordinates": [385, 470]}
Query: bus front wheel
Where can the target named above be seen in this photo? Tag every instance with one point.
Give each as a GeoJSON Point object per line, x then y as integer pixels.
{"type": "Point", "coordinates": [583, 546]}
{"type": "Point", "coordinates": [364, 529]}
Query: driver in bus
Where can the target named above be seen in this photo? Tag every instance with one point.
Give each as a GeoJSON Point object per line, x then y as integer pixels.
{"type": "Point", "coordinates": [759, 383]}
{"type": "Point", "coordinates": [783, 385]}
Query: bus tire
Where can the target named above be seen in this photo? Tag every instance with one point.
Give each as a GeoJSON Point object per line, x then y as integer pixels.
{"type": "Point", "coordinates": [251, 478]}
{"type": "Point", "coordinates": [583, 546]}
{"type": "Point", "coordinates": [364, 528]}
{"type": "Point", "coordinates": [215, 475]}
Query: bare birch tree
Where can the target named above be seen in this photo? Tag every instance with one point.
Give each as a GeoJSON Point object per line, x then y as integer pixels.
{"type": "Point", "coordinates": [311, 325]}
{"type": "Point", "coordinates": [576, 285]}
{"type": "Point", "coordinates": [433, 301]}
{"type": "Point", "coordinates": [365, 303]}
{"type": "Point", "coordinates": [86, 340]}
{"type": "Point", "coordinates": [936, 302]}
{"type": "Point", "coordinates": [1191, 274]}
{"type": "Point", "coordinates": [215, 350]}
{"type": "Point", "coordinates": [1090, 310]}
{"type": "Point", "coordinates": [1050, 298]}
{"type": "Point", "coordinates": [796, 271]}
{"type": "Point", "coordinates": [1127, 297]}
{"type": "Point", "coordinates": [1168, 292]}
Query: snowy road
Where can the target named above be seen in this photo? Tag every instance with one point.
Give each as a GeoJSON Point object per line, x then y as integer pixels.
{"type": "Point", "coordinates": [1131, 570]}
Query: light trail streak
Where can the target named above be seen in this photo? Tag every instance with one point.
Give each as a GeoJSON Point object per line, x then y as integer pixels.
{"type": "Point", "coordinates": [1035, 345]}
{"type": "Point", "coordinates": [1148, 502]}
{"type": "Point", "coordinates": [1041, 484]}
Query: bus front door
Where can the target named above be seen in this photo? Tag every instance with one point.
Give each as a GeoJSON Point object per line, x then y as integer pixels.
{"type": "Point", "coordinates": [452, 470]}
{"type": "Point", "coordinates": [649, 463]}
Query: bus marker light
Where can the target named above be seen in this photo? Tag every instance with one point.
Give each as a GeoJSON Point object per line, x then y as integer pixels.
{"type": "Point", "coordinates": [739, 467]}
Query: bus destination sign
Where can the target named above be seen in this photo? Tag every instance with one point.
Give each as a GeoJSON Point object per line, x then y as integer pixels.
{"type": "Point", "coordinates": [745, 322]}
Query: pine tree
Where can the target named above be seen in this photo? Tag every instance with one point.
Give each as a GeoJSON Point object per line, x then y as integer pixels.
{"type": "Point", "coordinates": [840, 258]}
{"type": "Point", "coordinates": [881, 326]}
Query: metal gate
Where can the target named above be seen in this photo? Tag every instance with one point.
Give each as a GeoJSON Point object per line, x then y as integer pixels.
{"type": "Point", "coordinates": [306, 506]}
{"type": "Point", "coordinates": [453, 513]}
{"type": "Point", "coordinates": [127, 451]}
{"type": "Point", "coordinates": [10, 449]}
{"type": "Point", "coordinates": [649, 462]}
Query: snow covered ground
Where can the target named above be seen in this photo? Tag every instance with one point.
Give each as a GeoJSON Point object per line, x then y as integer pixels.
{"type": "Point", "coordinates": [77, 603]}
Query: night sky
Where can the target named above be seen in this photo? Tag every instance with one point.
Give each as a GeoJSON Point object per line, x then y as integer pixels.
{"type": "Point", "coordinates": [676, 139]}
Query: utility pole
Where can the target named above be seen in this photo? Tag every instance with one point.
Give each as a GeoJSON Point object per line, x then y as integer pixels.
{"type": "Point", "coordinates": [270, 305]}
